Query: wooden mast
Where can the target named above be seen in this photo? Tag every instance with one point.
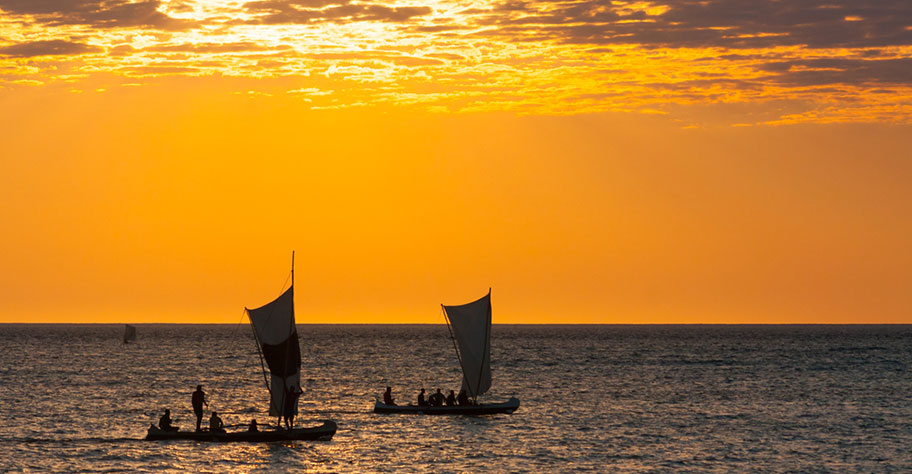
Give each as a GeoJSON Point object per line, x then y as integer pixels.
{"type": "Point", "coordinates": [295, 332]}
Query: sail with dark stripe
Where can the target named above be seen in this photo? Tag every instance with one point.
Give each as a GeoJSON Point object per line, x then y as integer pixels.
{"type": "Point", "coordinates": [277, 337]}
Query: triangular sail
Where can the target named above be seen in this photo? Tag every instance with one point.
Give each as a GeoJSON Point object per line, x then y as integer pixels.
{"type": "Point", "coordinates": [274, 327]}
{"type": "Point", "coordinates": [129, 333]}
{"type": "Point", "coordinates": [471, 328]}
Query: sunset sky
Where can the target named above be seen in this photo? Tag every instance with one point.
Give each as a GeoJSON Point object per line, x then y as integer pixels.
{"type": "Point", "coordinates": [719, 161]}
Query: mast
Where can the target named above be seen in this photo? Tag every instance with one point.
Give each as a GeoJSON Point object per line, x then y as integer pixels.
{"type": "Point", "coordinates": [291, 330]}
{"type": "Point", "coordinates": [486, 345]}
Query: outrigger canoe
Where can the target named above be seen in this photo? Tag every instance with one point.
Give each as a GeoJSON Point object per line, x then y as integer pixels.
{"type": "Point", "coordinates": [276, 337]}
{"type": "Point", "coordinates": [322, 432]}
{"type": "Point", "coordinates": [481, 409]}
{"type": "Point", "coordinates": [470, 328]}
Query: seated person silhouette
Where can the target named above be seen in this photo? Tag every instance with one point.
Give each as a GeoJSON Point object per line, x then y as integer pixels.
{"type": "Point", "coordinates": [164, 423]}
{"type": "Point", "coordinates": [215, 424]}
{"type": "Point", "coordinates": [437, 399]}
{"type": "Point", "coordinates": [388, 397]}
{"type": "Point", "coordinates": [463, 398]}
{"type": "Point", "coordinates": [421, 400]}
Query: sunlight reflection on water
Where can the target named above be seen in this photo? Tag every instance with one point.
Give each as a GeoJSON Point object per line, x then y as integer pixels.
{"type": "Point", "coordinates": [627, 398]}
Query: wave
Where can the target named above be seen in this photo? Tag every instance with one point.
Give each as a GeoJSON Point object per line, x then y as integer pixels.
{"type": "Point", "coordinates": [31, 440]}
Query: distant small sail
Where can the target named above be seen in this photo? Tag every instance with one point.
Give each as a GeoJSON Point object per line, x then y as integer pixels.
{"type": "Point", "coordinates": [274, 328]}
{"type": "Point", "coordinates": [471, 328]}
{"type": "Point", "coordinates": [129, 333]}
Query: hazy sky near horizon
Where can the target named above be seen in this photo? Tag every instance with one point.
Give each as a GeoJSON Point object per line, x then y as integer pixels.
{"type": "Point", "coordinates": [739, 161]}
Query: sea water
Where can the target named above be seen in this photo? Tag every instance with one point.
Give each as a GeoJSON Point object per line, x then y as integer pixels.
{"type": "Point", "coordinates": [75, 398]}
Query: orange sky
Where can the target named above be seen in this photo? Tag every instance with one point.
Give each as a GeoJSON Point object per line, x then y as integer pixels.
{"type": "Point", "coordinates": [630, 163]}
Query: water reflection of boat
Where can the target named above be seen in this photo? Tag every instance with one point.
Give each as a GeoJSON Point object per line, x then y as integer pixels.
{"type": "Point", "coordinates": [277, 343]}
{"type": "Point", "coordinates": [470, 329]}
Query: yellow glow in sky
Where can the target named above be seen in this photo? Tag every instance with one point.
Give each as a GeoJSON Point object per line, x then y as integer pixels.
{"type": "Point", "coordinates": [593, 162]}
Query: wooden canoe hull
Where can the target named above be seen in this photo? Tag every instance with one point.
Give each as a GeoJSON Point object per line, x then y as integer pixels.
{"type": "Point", "coordinates": [509, 406]}
{"type": "Point", "coordinates": [322, 432]}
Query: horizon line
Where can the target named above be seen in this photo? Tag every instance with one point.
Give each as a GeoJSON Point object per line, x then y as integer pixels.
{"type": "Point", "coordinates": [438, 324]}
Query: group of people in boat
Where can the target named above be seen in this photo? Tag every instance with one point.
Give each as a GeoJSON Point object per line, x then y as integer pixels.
{"type": "Point", "coordinates": [434, 400]}
{"type": "Point", "coordinates": [216, 425]}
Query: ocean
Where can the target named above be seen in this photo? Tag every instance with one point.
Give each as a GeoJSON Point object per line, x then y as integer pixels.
{"type": "Point", "coordinates": [689, 398]}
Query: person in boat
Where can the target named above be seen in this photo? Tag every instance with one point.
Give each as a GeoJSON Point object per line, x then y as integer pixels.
{"type": "Point", "coordinates": [437, 399]}
{"type": "Point", "coordinates": [463, 398]}
{"type": "Point", "coordinates": [291, 398]}
{"type": "Point", "coordinates": [421, 401]}
{"type": "Point", "coordinates": [215, 424]}
{"type": "Point", "coordinates": [388, 397]}
{"type": "Point", "coordinates": [198, 400]}
{"type": "Point", "coordinates": [451, 399]}
{"type": "Point", "coordinates": [252, 427]}
{"type": "Point", "coordinates": [164, 423]}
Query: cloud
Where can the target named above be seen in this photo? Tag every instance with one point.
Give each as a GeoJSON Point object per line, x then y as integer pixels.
{"type": "Point", "coordinates": [450, 56]}
{"type": "Point", "coordinates": [121, 50]}
{"type": "Point", "coordinates": [807, 72]}
{"type": "Point", "coordinates": [156, 70]}
{"type": "Point", "coordinates": [436, 28]}
{"type": "Point", "coordinates": [391, 57]}
{"type": "Point", "coordinates": [96, 13]}
{"type": "Point", "coordinates": [709, 23]}
{"type": "Point", "coordinates": [553, 56]}
{"type": "Point", "coordinates": [310, 11]}
{"type": "Point", "coordinates": [47, 48]}
{"type": "Point", "coordinates": [237, 47]}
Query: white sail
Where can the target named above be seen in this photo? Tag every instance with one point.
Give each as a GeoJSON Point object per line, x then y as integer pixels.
{"type": "Point", "coordinates": [471, 328]}
{"type": "Point", "coordinates": [274, 327]}
{"type": "Point", "coordinates": [129, 333]}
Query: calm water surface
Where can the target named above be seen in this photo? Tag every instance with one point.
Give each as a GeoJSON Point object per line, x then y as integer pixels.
{"type": "Point", "coordinates": [74, 398]}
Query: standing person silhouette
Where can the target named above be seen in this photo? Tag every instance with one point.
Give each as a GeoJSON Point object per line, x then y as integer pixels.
{"type": "Point", "coordinates": [198, 400]}
{"type": "Point", "coordinates": [291, 399]}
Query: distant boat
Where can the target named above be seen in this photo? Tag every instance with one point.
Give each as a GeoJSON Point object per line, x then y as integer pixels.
{"type": "Point", "coordinates": [129, 333]}
{"type": "Point", "coordinates": [277, 343]}
{"type": "Point", "coordinates": [470, 329]}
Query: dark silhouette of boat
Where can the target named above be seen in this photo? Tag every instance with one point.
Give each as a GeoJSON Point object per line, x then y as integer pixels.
{"type": "Point", "coordinates": [470, 329]}
{"type": "Point", "coordinates": [322, 432]}
{"type": "Point", "coordinates": [481, 409]}
{"type": "Point", "coordinates": [276, 337]}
